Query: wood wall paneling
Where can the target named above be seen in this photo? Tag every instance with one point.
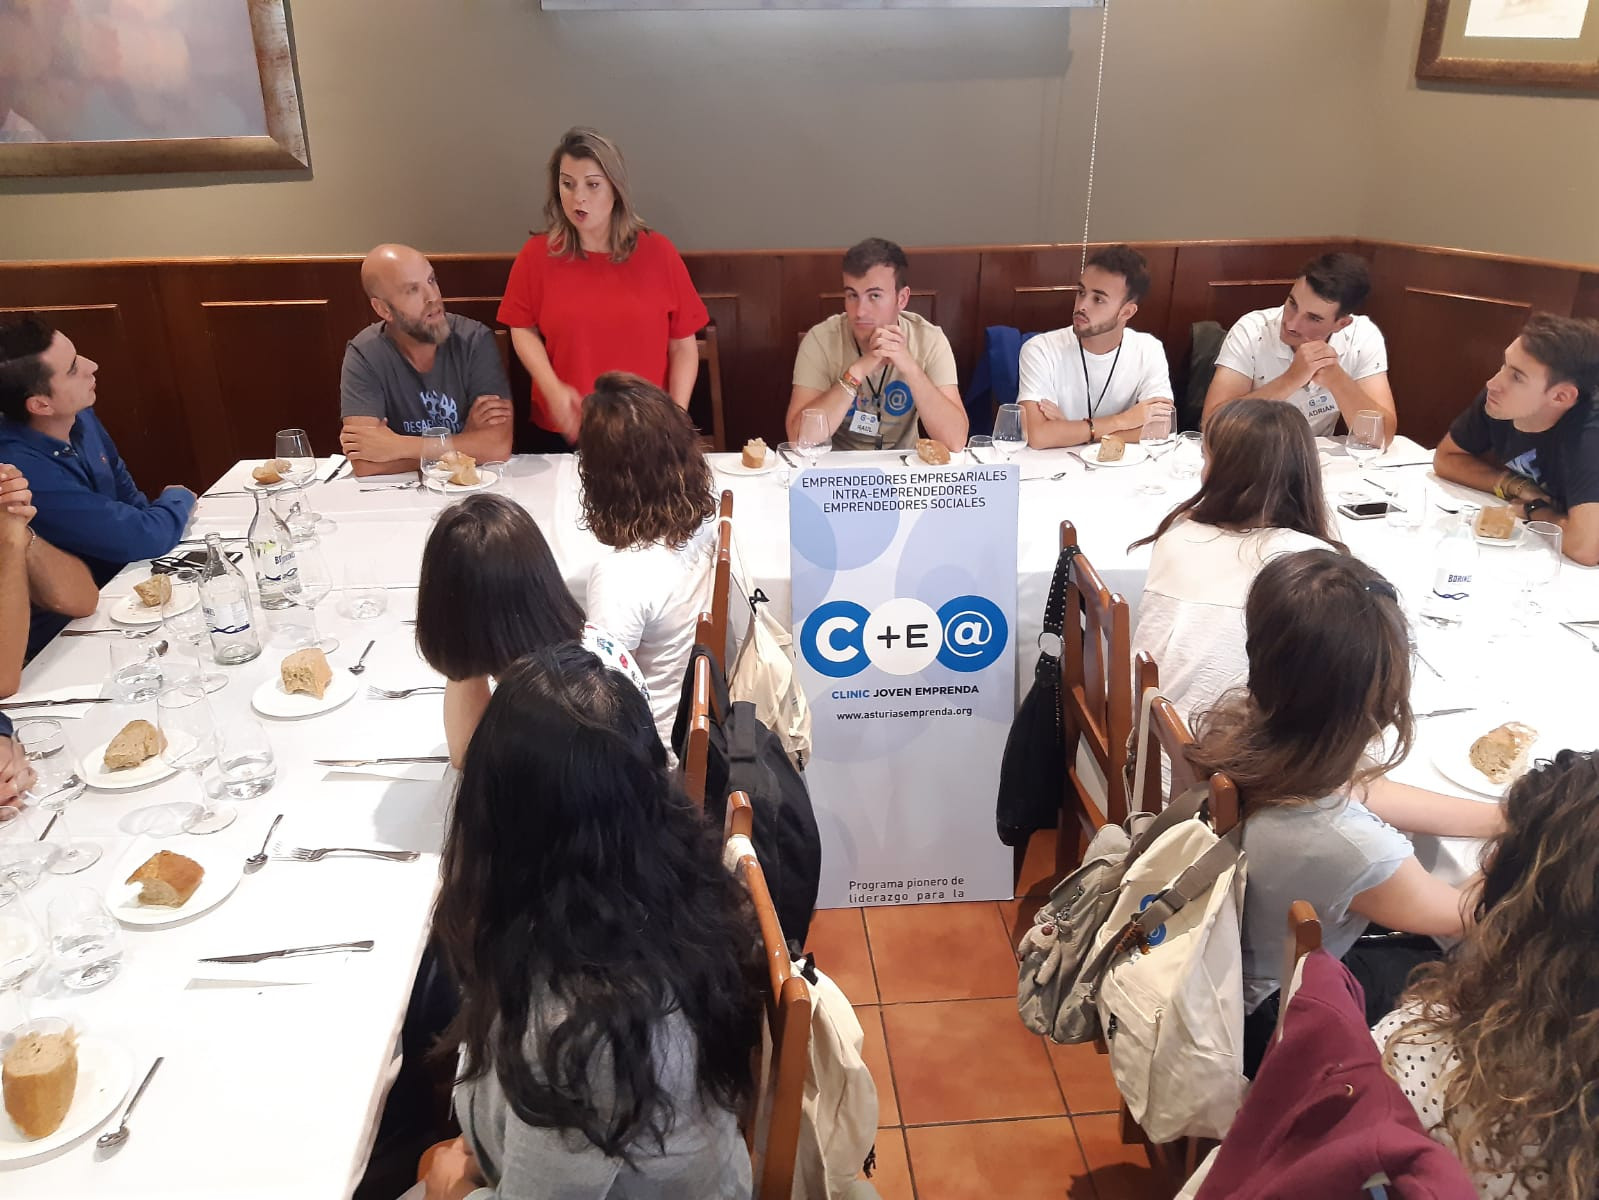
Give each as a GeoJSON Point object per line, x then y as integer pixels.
{"type": "Point", "coordinates": [744, 295]}
{"type": "Point", "coordinates": [1220, 282]}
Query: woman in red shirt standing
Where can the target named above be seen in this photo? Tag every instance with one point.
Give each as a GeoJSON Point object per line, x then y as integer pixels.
{"type": "Point", "coordinates": [598, 290]}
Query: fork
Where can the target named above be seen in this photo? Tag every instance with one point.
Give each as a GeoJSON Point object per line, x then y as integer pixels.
{"type": "Point", "coordinates": [392, 487]}
{"type": "Point", "coordinates": [380, 693]}
{"type": "Point", "coordinates": [301, 854]}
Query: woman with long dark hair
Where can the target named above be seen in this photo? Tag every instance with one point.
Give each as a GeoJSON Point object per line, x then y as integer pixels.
{"type": "Point", "coordinates": [1498, 1045]}
{"type": "Point", "coordinates": [1320, 823]}
{"type": "Point", "coordinates": [490, 592]}
{"type": "Point", "coordinates": [1260, 496]}
{"type": "Point", "coordinates": [607, 962]}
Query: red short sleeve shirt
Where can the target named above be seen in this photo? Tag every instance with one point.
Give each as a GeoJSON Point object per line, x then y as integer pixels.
{"type": "Point", "coordinates": [596, 315]}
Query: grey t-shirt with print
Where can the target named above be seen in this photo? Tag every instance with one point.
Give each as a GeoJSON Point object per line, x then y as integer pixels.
{"type": "Point", "coordinates": [378, 380]}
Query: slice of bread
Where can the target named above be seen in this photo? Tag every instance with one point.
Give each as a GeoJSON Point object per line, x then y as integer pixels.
{"type": "Point", "coordinates": [270, 471]}
{"type": "Point", "coordinates": [167, 880]}
{"type": "Point", "coordinates": [1501, 754]}
{"type": "Point", "coordinates": [1111, 448]}
{"type": "Point", "coordinates": [39, 1075]}
{"type": "Point", "coordinates": [755, 453]}
{"type": "Point", "coordinates": [154, 591]}
{"type": "Point", "coordinates": [932, 451]}
{"type": "Point", "coordinates": [1496, 521]}
{"type": "Point", "coordinates": [137, 742]}
{"type": "Point", "coordinates": [307, 671]}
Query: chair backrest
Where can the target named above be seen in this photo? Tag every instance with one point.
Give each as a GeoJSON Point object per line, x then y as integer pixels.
{"type": "Point", "coordinates": [714, 635]}
{"type": "Point", "coordinates": [697, 751]}
{"type": "Point", "coordinates": [1304, 937]}
{"type": "Point", "coordinates": [1096, 685]}
{"type": "Point", "coordinates": [740, 819]}
{"type": "Point", "coordinates": [785, 1060]}
{"type": "Point", "coordinates": [1169, 739]}
{"type": "Point", "coordinates": [711, 356]}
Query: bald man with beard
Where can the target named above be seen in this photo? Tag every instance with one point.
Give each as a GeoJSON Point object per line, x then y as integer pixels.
{"type": "Point", "coordinates": [418, 367]}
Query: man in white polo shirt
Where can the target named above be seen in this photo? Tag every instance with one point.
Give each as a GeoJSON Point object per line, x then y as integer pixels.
{"type": "Point", "coordinates": [1314, 352]}
{"type": "Point", "coordinates": [1098, 377]}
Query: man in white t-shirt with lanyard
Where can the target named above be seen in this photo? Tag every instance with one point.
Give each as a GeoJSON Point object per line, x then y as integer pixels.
{"type": "Point", "coordinates": [881, 374]}
{"type": "Point", "coordinates": [1077, 385]}
{"type": "Point", "coordinates": [1314, 352]}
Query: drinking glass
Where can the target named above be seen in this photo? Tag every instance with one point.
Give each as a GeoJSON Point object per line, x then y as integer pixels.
{"type": "Point", "coordinates": [22, 952]}
{"type": "Point", "coordinates": [1407, 505]}
{"type": "Point", "coordinates": [363, 597]}
{"type": "Point", "coordinates": [58, 784]}
{"type": "Point", "coordinates": [815, 436]}
{"type": "Point", "coordinates": [787, 452]}
{"type": "Point", "coordinates": [1159, 435]}
{"type": "Point", "coordinates": [1009, 436]}
{"type": "Point", "coordinates": [23, 859]}
{"type": "Point", "coordinates": [436, 443]}
{"type": "Point", "coordinates": [981, 447]}
{"type": "Point", "coordinates": [85, 941]}
{"type": "Point", "coordinates": [186, 626]}
{"type": "Point", "coordinates": [1536, 562]}
{"type": "Point", "coordinates": [192, 744]}
{"type": "Point", "coordinates": [313, 580]}
{"type": "Point", "coordinates": [1365, 441]}
{"type": "Point", "coordinates": [248, 766]}
{"type": "Point", "coordinates": [294, 448]}
{"type": "Point", "coordinates": [135, 670]}
{"type": "Point", "coordinates": [1188, 455]}
{"type": "Point", "coordinates": [494, 474]}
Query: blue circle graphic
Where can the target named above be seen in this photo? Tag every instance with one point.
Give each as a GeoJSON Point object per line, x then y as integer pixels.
{"type": "Point", "coordinates": [897, 398]}
{"type": "Point", "coordinates": [1156, 935]}
{"type": "Point", "coordinates": [832, 639]}
{"type": "Point", "coordinates": [975, 633]}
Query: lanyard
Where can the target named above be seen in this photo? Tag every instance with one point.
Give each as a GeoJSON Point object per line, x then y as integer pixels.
{"type": "Point", "coordinates": [876, 391]}
{"type": "Point", "coordinates": [1093, 405]}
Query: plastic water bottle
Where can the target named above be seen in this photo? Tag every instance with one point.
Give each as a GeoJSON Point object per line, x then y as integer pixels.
{"type": "Point", "coordinates": [1454, 574]}
{"type": "Point", "coordinates": [225, 599]}
{"type": "Point", "coordinates": [272, 551]}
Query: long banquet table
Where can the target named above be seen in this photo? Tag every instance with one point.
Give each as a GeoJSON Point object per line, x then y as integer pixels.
{"type": "Point", "coordinates": [274, 1076]}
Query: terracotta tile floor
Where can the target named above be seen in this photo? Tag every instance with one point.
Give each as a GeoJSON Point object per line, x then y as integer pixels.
{"type": "Point", "coordinates": [972, 1105]}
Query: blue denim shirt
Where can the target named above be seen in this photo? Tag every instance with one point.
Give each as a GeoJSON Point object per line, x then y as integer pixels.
{"type": "Point", "coordinates": [89, 505]}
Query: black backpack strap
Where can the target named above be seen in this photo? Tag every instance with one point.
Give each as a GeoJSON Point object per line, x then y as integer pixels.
{"type": "Point", "coordinates": [1055, 606]}
{"type": "Point", "coordinates": [685, 701]}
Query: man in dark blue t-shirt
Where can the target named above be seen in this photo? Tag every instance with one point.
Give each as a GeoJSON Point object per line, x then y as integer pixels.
{"type": "Point", "coordinates": [1531, 437]}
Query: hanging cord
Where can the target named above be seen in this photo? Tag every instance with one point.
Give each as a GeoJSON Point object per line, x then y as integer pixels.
{"type": "Point", "coordinates": [1093, 141]}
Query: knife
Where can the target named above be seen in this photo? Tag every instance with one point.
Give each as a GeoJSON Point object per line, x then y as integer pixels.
{"type": "Point", "coordinates": [10, 704]}
{"type": "Point", "coordinates": [1443, 712]}
{"type": "Point", "coordinates": [337, 467]}
{"type": "Point", "coordinates": [375, 762]}
{"type": "Point", "coordinates": [1420, 462]}
{"type": "Point", "coordinates": [263, 955]}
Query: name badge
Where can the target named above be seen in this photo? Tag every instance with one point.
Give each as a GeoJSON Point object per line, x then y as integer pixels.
{"type": "Point", "coordinates": [864, 423]}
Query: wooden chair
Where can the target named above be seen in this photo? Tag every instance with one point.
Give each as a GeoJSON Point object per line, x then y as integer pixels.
{"type": "Point", "coordinates": [711, 359]}
{"type": "Point", "coordinates": [722, 581]}
{"type": "Point", "coordinates": [786, 1056]}
{"type": "Point", "coordinates": [1304, 937]}
{"type": "Point", "coordinates": [1169, 738]}
{"type": "Point", "coordinates": [1096, 701]}
{"type": "Point", "coordinates": [697, 753]}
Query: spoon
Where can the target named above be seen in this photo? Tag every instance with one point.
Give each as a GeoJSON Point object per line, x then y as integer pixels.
{"type": "Point", "coordinates": [110, 1141]}
{"type": "Point", "coordinates": [255, 861]}
{"type": "Point", "coordinates": [360, 663]}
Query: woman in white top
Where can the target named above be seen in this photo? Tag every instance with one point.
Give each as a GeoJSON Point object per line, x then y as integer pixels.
{"type": "Point", "coordinates": [647, 496]}
{"type": "Point", "coordinates": [1498, 1046]}
{"type": "Point", "coordinates": [1260, 496]}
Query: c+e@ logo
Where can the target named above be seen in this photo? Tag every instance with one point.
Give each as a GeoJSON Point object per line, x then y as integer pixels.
{"type": "Point", "coordinates": [901, 637]}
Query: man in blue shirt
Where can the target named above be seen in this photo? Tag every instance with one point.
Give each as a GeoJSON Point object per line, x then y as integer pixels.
{"type": "Point", "coordinates": [87, 503]}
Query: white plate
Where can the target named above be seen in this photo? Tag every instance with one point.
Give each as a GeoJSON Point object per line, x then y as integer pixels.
{"type": "Point", "coordinates": [1134, 455]}
{"type": "Point", "coordinates": [1513, 539]}
{"type": "Point", "coordinates": [92, 768]}
{"type": "Point", "coordinates": [738, 468]}
{"type": "Point", "coordinates": [486, 479]}
{"type": "Point", "coordinates": [957, 460]}
{"type": "Point", "coordinates": [130, 610]}
{"type": "Point", "coordinates": [223, 870]}
{"type": "Point", "coordinates": [1451, 752]}
{"type": "Point", "coordinates": [105, 1072]}
{"type": "Point", "coordinates": [270, 700]}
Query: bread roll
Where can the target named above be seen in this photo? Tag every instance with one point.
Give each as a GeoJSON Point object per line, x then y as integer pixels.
{"type": "Point", "coordinates": [1111, 448]}
{"type": "Point", "coordinates": [932, 451]}
{"type": "Point", "coordinates": [1501, 754]}
{"type": "Point", "coordinates": [137, 742]}
{"type": "Point", "coordinates": [1496, 521]}
{"type": "Point", "coordinates": [307, 671]}
{"type": "Point", "coordinates": [270, 471]}
{"type": "Point", "coordinates": [40, 1075]}
{"type": "Point", "coordinates": [155, 591]}
{"type": "Point", "coordinates": [167, 880]}
{"type": "Point", "coordinates": [755, 453]}
{"type": "Point", "coordinates": [463, 468]}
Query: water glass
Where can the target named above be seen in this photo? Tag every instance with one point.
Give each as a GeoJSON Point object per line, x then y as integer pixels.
{"type": "Point", "coordinates": [22, 952]}
{"type": "Point", "coordinates": [193, 744]}
{"type": "Point", "coordinates": [787, 454]}
{"type": "Point", "coordinates": [1536, 562]}
{"type": "Point", "coordinates": [815, 436]}
{"type": "Point", "coordinates": [23, 859]}
{"type": "Point", "coordinates": [1009, 436]}
{"type": "Point", "coordinates": [247, 763]}
{"type": "Point", "coordinates": [1407, 505]}
{"type": "Point", "coordinates": [85, 941]}
{"type": "Point", "coordinates": [1159, 435]}
{"type": "Point", "coordinates": [135, 670]}
{"type": "Point", "coordinates": [362, 597]}
{"type": "Point", "coordinates": [1188, 457]}
{"type": "Point", "coordinates": [183, 618]}
{"type": "Point", "coordinates": [57, 785]}
{"type": "Point", "coordinates": [981, 447]}
{"type": "Point", "coordinates": [436, 443]}
{"type": "Point", "coordinates": [495, 477]}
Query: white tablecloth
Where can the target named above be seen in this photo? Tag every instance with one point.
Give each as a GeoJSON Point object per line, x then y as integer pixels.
{"type": "Point", "coordinates": [273, 1088]}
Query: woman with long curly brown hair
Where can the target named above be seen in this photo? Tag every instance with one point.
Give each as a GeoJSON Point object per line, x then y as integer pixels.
{"type": "Point", "coordinates": [1498, 1046]}
{"type": "Point", "coordinates": [647, 497]}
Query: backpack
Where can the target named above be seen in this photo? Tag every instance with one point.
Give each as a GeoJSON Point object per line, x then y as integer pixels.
{"type": "Point", "coordinates": [763, 673]}
{"type": "Point", "coordinates": [746, 756]}
{"type": "Point", "coordinates": [839, 1122]}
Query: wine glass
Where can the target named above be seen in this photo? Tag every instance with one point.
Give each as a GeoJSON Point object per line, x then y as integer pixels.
{"type": "Point", "coordinates": [437, 442]}
{"type": "Point", "coordinates": [815, 435]}
{"type": "Point", "coordinates": [22, 952]}
{"type": "Point", "coordinates": [294, 448]}
{"type": "Point", "coordinates": [57, 784]}
{"type": "Point", "coordinates": [192, 744]}
{"type": "Point", "coordinates": [1158, 436]}
{"type": "Point", "coordinates": [187, 626]}
{"type": "Point", "coordinates": [312, 582]}
{"type": "Point", "coordinates": [1536, 562]}
{"type": "Point", "coordinates": [1365, 441]}
{"type": "Point", "coordinates": [1009, 436]}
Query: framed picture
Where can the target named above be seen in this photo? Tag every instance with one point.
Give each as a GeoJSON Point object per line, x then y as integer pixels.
{"type": "Point", "coordinates": [116, 87]}
{"type": "Point", "coordinates": [1514, 43]}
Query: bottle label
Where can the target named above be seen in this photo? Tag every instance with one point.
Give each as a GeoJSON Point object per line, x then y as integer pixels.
{"type": "Point", "coordinates": [228, 620]}
{"type": "Point", "coordinates": [1452, 585]}
{"type": "Point", "coordinates": [268, 562]}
